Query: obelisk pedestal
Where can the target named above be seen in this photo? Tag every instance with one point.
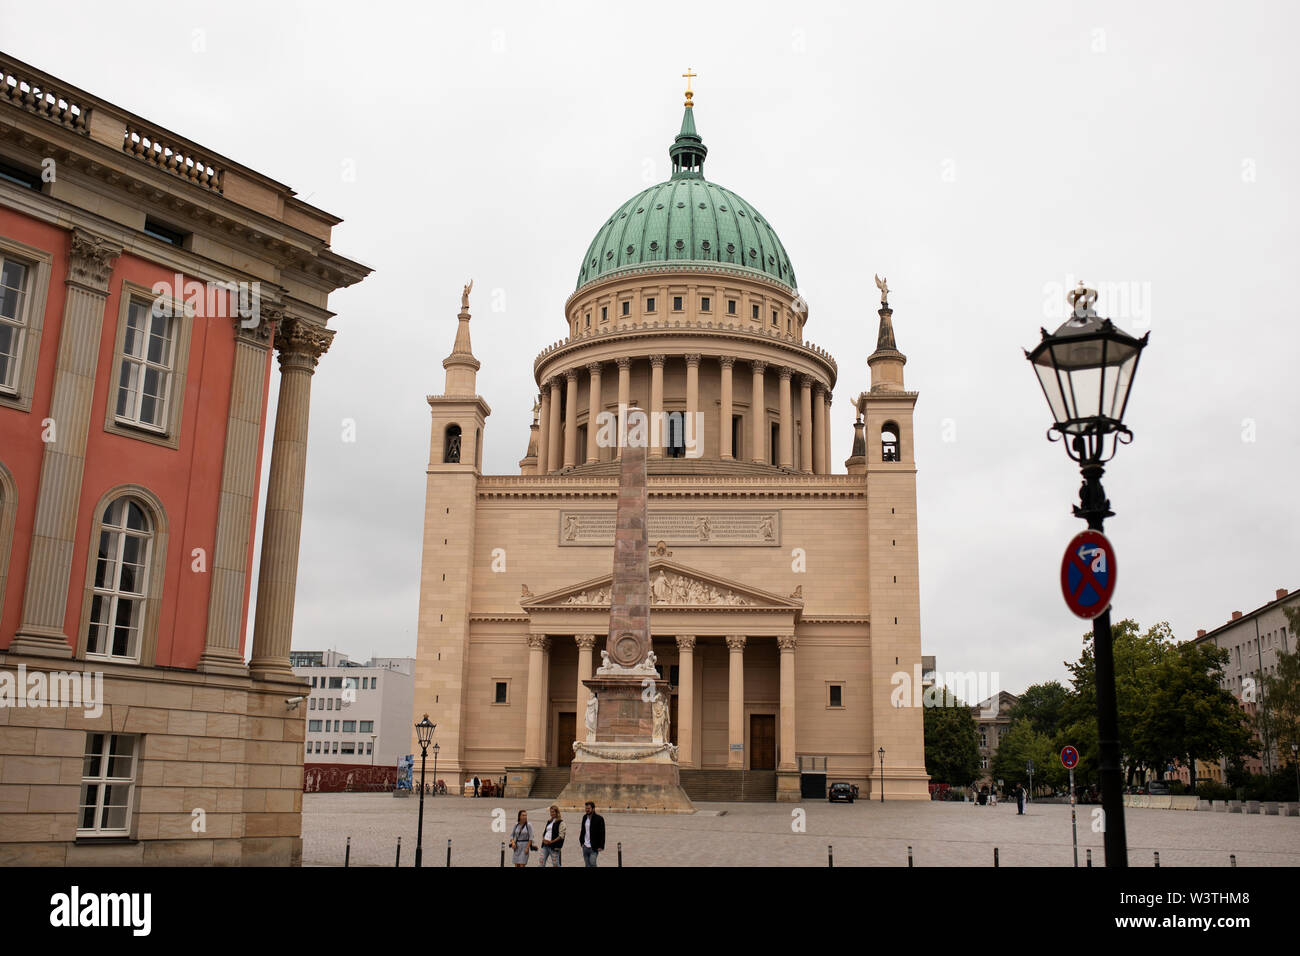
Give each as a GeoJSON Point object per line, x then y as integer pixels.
{"type": "Point", "coordinates": [627, 760]}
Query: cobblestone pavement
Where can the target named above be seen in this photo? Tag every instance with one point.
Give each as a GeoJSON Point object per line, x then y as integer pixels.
{"type": "Point", "coordinates": [730, 834]}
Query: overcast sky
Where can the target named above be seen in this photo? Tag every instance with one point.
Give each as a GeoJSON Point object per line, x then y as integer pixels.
{"type": "Point", "coordinates": [983, 157]}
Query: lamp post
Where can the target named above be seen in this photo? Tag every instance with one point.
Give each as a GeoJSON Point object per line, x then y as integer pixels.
{"type": "Point", "coordinates": [882, 774]}
{"type": "Point", "coordinates": [1086, 370]}
{"type": "Point", "coordinates": [435, 749]}
{"type": "Point", "coordinates": [373, 738]}
{"type": "Point", "coordinates": [424, 733]}
{"type": "Point", "coordinates": [1029, 769]}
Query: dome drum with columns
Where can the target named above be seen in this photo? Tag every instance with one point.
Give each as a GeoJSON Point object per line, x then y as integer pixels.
{"type": "Point", "coordinates": [785, 593]}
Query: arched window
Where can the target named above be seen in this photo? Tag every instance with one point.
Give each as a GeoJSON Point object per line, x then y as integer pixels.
{"type": "Point", "coordinates": [478, 448]}
{"type": "Point", "coordinates": [890, 449]}
{"type": "Point", "coordinates": [451, 445]}
{"type": "Point", "coordinates": [120, 588]}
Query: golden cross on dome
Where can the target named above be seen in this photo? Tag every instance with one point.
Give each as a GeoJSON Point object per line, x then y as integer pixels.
{"type": "Point", "coordinates": [688, 75]}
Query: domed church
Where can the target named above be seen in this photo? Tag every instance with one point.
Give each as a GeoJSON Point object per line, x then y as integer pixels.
{"type": "Point", "coordinates": [785, 610]}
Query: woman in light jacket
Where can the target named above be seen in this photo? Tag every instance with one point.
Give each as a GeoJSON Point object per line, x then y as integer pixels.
{"type": "Point", "coordinates": [521, 839]}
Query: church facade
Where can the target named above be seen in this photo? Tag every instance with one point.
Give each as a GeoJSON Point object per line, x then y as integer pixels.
{"type": "Point", "coordinates": [784, 591]}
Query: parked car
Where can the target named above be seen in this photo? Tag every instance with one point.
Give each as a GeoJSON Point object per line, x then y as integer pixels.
{"type": "Point", "coordinates": [841, 792]}
{"type": "Point", "coordinates": [1158, 788]}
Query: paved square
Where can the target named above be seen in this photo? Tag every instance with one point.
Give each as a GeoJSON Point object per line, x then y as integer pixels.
{"type": "Point", "coordinates": [749, 834]}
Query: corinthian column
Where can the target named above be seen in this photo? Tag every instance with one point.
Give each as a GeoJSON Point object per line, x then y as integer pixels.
{"type": "Point", "coordinates": [624, 396]}
{"type": "Point", "coordinates": [571, 419]}
{"type": "Point", "coordinates": [693, 435]}
{"type": "Point", "coordinates": [544, 431]}
{"type": "Point", "coordinates": [593, 412]}
{"type": "Point", "coordinates": [819, 428]}
{"type": "Point", "coordinates": [735, 702]}
{"type": "Point", "coordinates": [533, 716]}
{"type": "Point", "coordinates": [49, 567]}
{"type": "Point", "coordinates": [553, 432]}
{"type": "Point", "coordinates": [686, 700]}
{"type": "Point", "coordinates": [786, 642]}
{"type": "Point", "coordinates": [724, 413]}
{"type": "Point", "coordinates": [786, 460]}
{"type": "Point", "coordinates": [806, 416]}
{"type": "Point", "coordinates": [585, 643]}
{"type": "Point", "coordinates": [300, 345]}
{"type": "Point", "coordinates": [757, 413]}
{"type": "Point", "coordinates": [656, 405]}
{"type": "Point", "coordinates": [239, 473]}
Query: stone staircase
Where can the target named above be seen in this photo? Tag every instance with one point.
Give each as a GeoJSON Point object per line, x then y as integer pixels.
{"type": "Point", "coordinates": [549, 782]}
{"type": "Point", "coordinates": [730, 786]}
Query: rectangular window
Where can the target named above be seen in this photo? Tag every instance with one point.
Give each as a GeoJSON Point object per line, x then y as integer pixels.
{"type": "Point", "coordinates": [737, 433]}
{"type": "Point", "coordinates": [604, 313]}
{"type": "Point", "coordinates": [20, 177]}
{"type": "Point", "coordinates": [167, 234]}
{"type": "Point", "coordinates": [774, 322]}
{"type": "Point", "coordinates": [502, 692]}
{"type": "Point", "coordinates": [366, 727]}
{"type": "Point", "coordinates": [627, 308]}
{"type": "Point", "coordinates": [311, 703]}
{"type": "Point", "coordinates": [13, 320]}
{"type": "Point", "coordinates": [349, 747]}
{"type": "Point", "coordinates": [349, 726]}
{"type": "Point", "coordinates": [587, 322]}
{"type": "Point", "coordinates": [336, 683]}
{"type": "Point", "coordinates": [144, 379]}
{"type": "Point", "coordinates": [107, 784]}
{"type": "Point", "coordinates": [374, 683]}
{"type": "Point", "coordinates": [370, 747]}
{"type": "Point", "coordinates": [731, 307]}
{"type": "Point", "coordinates": [755, 311]}
{"type": "Point", "coordinates": [674, 675]}
{"type": "Point", "coordinates": [336, 747]}
{"type": "Point", "coordinates": [677, 303]}
{"type": "Point", "coordinates": [775, 451]}
{"type": "Point", "coordinates": [329, 703]}
{"type": "Point", "coordinates": [336, 726]}
{"type": "Point", "coordinates": [314, 726]}
{"type": "Point", "coordinates": [704, 304]}
{"type": "Point", "coordinates": [835, 695]}
{"type": "Point", "coordinates": [650, 304]}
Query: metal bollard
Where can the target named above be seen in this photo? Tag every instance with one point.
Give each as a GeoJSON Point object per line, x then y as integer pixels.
{"type": "Point", "coordinates": [398, 861]}
{"type": "Point", "coordinates": [503, 853]}
{"type": "Point", "coordinates": [830, 855]}
{"type": "Point", "coordinates": [1157, 853]}
{"type": "Point", "coordinates": [347, 854]}
{"type": "Point", "coordinates": [1090, 858]}
{"type": "Point", "coordinates": [620, 854]}
{"type": "Point", "coordinates": [909, 856]}
{"type": "Point", "coordinates": [1232, 859]}
{"type": "Point", "coordinates": [995, 856]}
{"type": "Point", "coordinates": [449, 853]}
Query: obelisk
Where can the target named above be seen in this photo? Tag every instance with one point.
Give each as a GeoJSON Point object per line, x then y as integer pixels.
{"type": "Point", "coordinates": [628, 761]}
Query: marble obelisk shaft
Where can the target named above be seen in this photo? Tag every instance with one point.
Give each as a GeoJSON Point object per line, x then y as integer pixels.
{"type": "Point", "coordinates": [629, 612]}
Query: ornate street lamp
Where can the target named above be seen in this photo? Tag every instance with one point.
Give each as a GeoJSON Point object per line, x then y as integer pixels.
{"type": "Point", "coordinates": [882, 774]}
{"type": "Point", "coordinates": [435, 748]}
{"type": "Point", "coordinates": [1086, 370]}
{"type": "Point", "coordinates": [1295, 762]}
{"type": "Point", "coordinates": [1029, 769]}
{"type": "Point", "coordinates": [424, 733]}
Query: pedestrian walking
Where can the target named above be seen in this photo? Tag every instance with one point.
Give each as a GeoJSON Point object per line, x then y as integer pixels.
{"type": "Point", "coordinates": [476, 784]}
{"type": "Point", "coordinates": [1020, 800]}
{"type": "Point", "coordinates": [592, 834]}
{"type": "Point", "coordinates": [553, 837]}
{"type": "Point", "coordinates": [521, 840]}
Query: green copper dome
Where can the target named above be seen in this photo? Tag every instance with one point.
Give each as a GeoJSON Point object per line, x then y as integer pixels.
{"type": "Point", "coordinates": [686, 220]}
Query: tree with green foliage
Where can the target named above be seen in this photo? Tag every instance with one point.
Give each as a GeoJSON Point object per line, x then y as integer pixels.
{"type": "Point", "coordinates": [1189, 714]}
{"type": "Point", "coordinates": [1277, 719]}
{"type": "Point", "coordinates": [1043, 705]}
{"type": "Point", "coordinates": [1021, 744]}
{"type": "Point", "coordinates": [951, 741]}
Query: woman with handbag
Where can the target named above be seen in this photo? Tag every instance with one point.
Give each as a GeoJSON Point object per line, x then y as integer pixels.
{"type": "Point", "coordinates": [521, 840]}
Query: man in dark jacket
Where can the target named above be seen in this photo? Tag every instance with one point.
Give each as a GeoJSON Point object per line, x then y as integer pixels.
{"type": "Point", "coordinates": [591, 834]}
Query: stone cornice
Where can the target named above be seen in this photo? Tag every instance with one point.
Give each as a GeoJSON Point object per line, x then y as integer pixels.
{"type": "Point", "coordinates": [664, 487]}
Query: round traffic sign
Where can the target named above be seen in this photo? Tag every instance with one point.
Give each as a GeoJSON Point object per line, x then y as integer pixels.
{"type": "Point", "coordinates": [1088, 574]}
{"type": "Point", "coordinates": [1069, 758]}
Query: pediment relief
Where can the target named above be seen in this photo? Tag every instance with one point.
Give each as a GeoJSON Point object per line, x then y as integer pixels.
{"type": "Point", "coordinates": [671, 586]}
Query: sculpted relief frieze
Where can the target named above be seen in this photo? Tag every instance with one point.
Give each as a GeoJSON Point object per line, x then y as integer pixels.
{"type": "Point", "coordinates": [700, 528]}
{"type": "Point", "coordinates": [670, 589]}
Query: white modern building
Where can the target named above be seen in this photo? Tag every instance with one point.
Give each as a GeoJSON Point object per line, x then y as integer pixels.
{"type": "Point", "coordinates": [356, 713]}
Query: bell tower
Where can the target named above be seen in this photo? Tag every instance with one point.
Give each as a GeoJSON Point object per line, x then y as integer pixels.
{"type": "Point", "coordinates": [447, 564]}
{"type": "Point", "coordinates": [884, 452]}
